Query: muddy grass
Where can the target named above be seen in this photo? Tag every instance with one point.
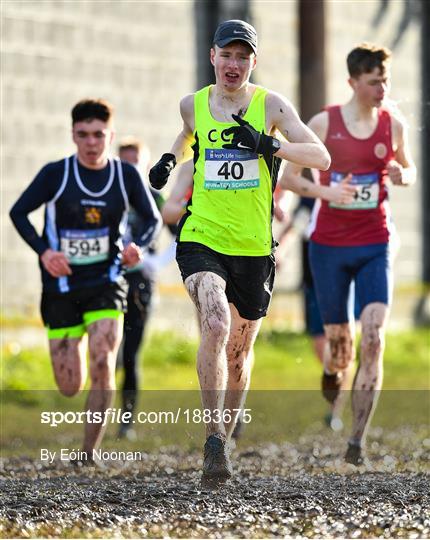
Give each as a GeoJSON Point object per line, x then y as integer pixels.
{"type": "Point", "coordinates": [286, 490]}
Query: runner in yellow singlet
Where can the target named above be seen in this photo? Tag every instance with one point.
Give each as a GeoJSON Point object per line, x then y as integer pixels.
{"type": "Point", "coordinates": [225, 245]}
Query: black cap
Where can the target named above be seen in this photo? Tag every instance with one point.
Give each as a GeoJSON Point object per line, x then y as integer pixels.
{"type": "Point", "coordinates": [235, 30]}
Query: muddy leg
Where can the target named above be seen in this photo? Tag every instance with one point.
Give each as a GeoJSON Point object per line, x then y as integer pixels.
{"type": "Point", "coordinates": [207, 291]}
{"type": "Point", "coordinates": [104, 338]}
{"type": "Point", "coordinates": [341, 349]}
{"type": "Point", "coordinates": [345, 390]}
{"type": "Point", "coordinates": [239, 360]}
{"type": "Point", "coordinates": [68, 357]}
{"type": "Point", "coordinates": [339, 354]}
{"type": "Point", "coordinates": [368, 379]}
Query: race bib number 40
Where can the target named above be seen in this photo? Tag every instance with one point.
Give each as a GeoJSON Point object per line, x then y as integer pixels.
{"type": "Point", "coordinates": [367, 194]}
{"type": "Point", "coordinates": [85, 247]}
{"type": "Point", "coordinates": [231, 169]}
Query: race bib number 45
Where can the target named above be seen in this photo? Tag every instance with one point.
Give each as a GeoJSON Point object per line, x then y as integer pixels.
{"type": "Point", "coordinates": [85, 247]}
{"type": "Point", "coordinates": [367, 194]}
{"type": "Point", "coordinates": [231, 169]}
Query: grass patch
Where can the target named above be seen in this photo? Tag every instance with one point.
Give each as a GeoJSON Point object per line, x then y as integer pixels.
{"type": "Point", "coordinates": [283, 360]}
{"type": "Point", "coordinates": [285, 379]}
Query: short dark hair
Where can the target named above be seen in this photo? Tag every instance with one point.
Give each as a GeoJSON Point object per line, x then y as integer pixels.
{"type": "Point", "coordinates": [90, 109]}
{"type": "Point", "coordinates": [366, 57]}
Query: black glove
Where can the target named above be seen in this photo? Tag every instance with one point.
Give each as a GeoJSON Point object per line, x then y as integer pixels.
{"type": "Point", "coordinates": [246, 137]}
{"type": "Point", "coordinates": [159, 173]}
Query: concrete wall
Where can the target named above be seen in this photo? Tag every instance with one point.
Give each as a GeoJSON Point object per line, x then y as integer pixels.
{"type": "Point", "coordinates": [350, 23]}
{"type": "Point", "coordinates": [138, 55]}
{"type": "Point", "coordinates": [141, 56]}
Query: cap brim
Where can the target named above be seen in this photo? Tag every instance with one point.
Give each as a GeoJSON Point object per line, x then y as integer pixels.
{"type": "Point", "coordinates": [223, 42]}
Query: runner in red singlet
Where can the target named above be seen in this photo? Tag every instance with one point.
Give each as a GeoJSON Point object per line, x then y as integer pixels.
{"type": "Point", "coordinates": [350, 230]}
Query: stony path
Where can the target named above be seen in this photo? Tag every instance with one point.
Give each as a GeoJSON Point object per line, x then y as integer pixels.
{"type": "Point", "coordinates": [301, 490]}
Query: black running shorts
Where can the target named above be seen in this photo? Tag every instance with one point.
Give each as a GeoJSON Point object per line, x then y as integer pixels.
{"type": "Point", "coordinates": [65, 310]}
{"type": "Point", "coordinates": [249, 279]}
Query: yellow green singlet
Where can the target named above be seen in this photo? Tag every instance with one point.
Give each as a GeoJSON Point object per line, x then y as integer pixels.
{"type": "Point", "coordinates": [232, 203]}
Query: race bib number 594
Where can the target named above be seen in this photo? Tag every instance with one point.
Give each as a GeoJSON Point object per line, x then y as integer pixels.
{"type": "Point", "coordinates": [231, 169]}
{"type": "Point", "coordinates": [85, 247]}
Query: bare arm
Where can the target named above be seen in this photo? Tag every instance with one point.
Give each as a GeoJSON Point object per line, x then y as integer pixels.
{"type": "Point", "coordinates": [174, 208]}
{"type": "Point", "coordinates": [293, 180]}
{"type": "Point", "coordinates": [402, 171]}
{"type": "Point", "coordinates": [181, 149]}
{"type": "Point", "coordinates": [302, 147]}
{"type": "Point", "coordinates": [182, 146]}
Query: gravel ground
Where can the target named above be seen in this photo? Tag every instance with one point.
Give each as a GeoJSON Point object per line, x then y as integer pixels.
{"type": "Point", "coordinates": [288, 490]}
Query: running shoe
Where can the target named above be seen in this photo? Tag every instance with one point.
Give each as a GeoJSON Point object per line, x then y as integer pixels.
{"type": "Point", "coordinates": [354, 454]}
{"type": "Point", "coordinates": [127, 432]}
{"type": "Point", "coordinates": [333, 422]}
{"type": "Point", "coordinates": [330, 385]}
{"type": "Point", "coordinates": [216, 461]}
